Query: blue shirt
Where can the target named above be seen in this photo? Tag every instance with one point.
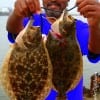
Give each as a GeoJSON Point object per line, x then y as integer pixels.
{"type": "Point", "coordinates": [82, 35]}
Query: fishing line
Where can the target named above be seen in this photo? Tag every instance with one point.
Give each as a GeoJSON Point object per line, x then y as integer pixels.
{"type": "Point", "coordinates": [59, 10]}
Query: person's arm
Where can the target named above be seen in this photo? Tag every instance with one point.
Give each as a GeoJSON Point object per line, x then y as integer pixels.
{"type": "Point", "coordinates": [94, 44]}
{"type": "Point", "coordinates": [90, 9]}
{"type": "Point", "coordinates": [13, 34]}
{"type": "Point", "coordinates": [14, 24]}
{"type": "Point", "coordinates": [22, 9]}
{"type": "Point", "coordinates": [94, 39]}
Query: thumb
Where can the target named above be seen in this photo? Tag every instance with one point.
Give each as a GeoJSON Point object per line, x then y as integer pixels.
{"type": "Point", "coordinates": [37, 5]}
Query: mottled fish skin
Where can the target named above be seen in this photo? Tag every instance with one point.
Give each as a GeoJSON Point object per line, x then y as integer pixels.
{"type": "Point", "coordinates": [28, 68]}
{"type": "Point", "coordinates": [65, 57]}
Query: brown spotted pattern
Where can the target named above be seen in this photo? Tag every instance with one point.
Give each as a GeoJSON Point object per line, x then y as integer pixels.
{"type": "Point", "coordinates": [30, 71]}
{"type": "Point", "coordinates": [27, 71]}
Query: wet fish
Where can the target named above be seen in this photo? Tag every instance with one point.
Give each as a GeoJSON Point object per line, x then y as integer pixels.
{"type": "Point", "coordinates": [32, 66]}
{"type": "Point", "coordinates": [26, 71]}
{"type": "Point", "coordinates": [65, 56]}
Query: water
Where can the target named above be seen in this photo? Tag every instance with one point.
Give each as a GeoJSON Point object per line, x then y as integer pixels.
{"type": "Point", "coordinates": [3, 37]}
{"type": "Point", "coordinates": [88, 68]}
{"type": "Point", "coordinates": [4, 46]}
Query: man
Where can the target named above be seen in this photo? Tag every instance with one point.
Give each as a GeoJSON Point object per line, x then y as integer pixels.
{"type": "Point", "coordinates": [89, 40]}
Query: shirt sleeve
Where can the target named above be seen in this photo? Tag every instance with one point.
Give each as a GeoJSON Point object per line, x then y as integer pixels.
{"type": "Point", "coordinates": [12, 36]}
{"type": "Point", "coordinates": [39, 20]}
{"type": "Point", "coordinates": [82, 34]}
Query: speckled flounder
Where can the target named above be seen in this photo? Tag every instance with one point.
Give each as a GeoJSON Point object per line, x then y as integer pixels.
{"type": "Point", "coordinates": [26, 73]}
{"type": "Point", "coordinates": [65, 56]}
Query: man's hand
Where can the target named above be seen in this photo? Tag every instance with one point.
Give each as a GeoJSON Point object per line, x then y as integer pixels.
{"type": "Point", "coordinates": [24, 8]}
{"type": "Point", "coordinates": [90, 9]}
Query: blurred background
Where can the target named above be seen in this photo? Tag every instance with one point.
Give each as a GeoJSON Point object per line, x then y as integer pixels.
{"type": "Point", "coordinates": [6, 7]}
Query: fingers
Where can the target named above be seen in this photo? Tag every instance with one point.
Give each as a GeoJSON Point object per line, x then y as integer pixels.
{"type": "Point", "coordinates": [86, 7]}
{"type": "Point", "coordinates": [21, 9]}
{"type": "Point", "coordinates": [24, 8]}
{"type": "Point", "coordinates": [38, 9]}
{"type": "Point", "coordinates": [85, 10]}
{"type": "Point", "coordinates": [33, 5]}
{"type": "Point", "coordinates": [83, 3]}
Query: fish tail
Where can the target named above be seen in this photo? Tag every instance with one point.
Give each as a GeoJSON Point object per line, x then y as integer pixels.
{"type": "Point", "coordinates": [59, 97]}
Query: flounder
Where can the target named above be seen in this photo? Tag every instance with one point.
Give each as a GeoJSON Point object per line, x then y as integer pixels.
{"type": "Point", "coordinates": [65, 56]}
{"type": "Point", "coordinates": [26, 71]}
{"type": "Point", "coordinates": [33, 66]}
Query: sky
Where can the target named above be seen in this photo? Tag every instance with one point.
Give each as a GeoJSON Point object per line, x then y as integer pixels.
{"type": "Point", "coordinates": [6, 3]}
